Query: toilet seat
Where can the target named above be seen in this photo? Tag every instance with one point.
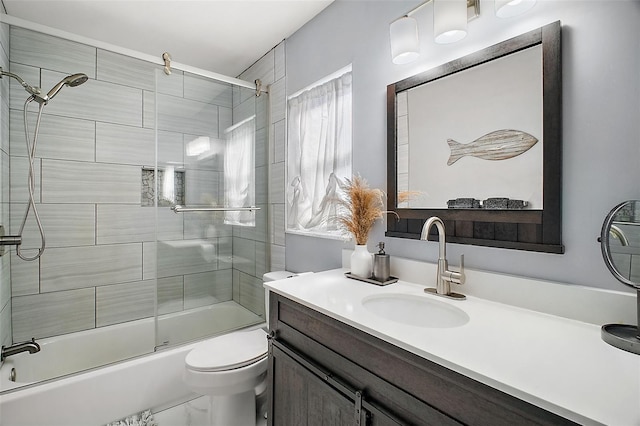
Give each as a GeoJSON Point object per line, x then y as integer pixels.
{"type": "Point", "coordinates": [228, 352]}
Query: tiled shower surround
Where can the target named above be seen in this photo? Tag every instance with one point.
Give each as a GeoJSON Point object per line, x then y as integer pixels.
{"type": "Point", "coordinates": [100, 265]}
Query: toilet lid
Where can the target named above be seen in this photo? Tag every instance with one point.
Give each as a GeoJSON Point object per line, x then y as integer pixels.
{"type": "Point", "coordinates": [233, 350]}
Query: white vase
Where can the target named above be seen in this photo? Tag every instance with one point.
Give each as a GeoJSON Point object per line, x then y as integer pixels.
{"type": "Point", "coordinates": [361, 261]}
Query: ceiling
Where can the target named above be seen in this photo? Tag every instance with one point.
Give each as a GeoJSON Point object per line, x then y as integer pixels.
{"type": "Point", "coordinates": [223, 36]}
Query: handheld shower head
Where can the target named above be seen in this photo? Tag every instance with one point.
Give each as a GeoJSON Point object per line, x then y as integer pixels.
{"type": "Point", "coordinates": [70, 80]}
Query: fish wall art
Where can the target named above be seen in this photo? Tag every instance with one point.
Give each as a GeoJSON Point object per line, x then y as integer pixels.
{"type": "Point", "coordinates": [497, 145]}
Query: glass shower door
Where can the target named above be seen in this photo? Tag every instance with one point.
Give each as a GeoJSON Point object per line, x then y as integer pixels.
{"type": "Point", "coordinates": [206, 144]}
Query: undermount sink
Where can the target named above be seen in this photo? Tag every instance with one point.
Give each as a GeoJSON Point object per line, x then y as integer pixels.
{"type": "Point", "coordinates": [415, 310]}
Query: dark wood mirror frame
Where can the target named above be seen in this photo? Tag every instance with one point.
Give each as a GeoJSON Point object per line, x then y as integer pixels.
{"type": "Point", "coordinates": [533, 230]}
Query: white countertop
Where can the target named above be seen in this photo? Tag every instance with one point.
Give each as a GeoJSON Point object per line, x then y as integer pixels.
{"type": "Point", "coordinates": [559, 364]}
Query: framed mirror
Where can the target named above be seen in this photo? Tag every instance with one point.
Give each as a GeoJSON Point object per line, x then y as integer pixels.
{"type": "Point", "coordinates": [478, 143]}
{"type": "Point", "coordinates": [620, 245]}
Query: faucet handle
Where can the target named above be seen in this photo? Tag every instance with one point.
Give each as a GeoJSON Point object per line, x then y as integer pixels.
{"type": "Point", "coordinates": [461, 272]}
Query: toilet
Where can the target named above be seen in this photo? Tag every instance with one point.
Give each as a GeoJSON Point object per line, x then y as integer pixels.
{"type": "Point", "coordinates": [231, 369]}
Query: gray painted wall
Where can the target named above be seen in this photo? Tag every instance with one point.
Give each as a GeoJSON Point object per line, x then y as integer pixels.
{"type": "Point", "coordinates": [601, 83]}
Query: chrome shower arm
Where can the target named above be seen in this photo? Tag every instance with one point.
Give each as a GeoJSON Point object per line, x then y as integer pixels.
{"type": "Point", "coordinates": [30, 89]}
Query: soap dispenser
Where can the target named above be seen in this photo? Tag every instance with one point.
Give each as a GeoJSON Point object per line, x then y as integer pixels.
{"type": "Point", "coordinates": [381, 264]}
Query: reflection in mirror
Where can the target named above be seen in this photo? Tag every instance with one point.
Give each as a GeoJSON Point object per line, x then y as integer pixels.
{"type": "Point", "coordinates": [478, 142]}
{"type": "Point", "coordinates": [500, 104]}
{"type": "Point", "coordinates": [620, 244]}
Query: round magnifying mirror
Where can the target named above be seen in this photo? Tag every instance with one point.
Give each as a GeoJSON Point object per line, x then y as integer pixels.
{"type": "Point", "coordinates": [620, 244]}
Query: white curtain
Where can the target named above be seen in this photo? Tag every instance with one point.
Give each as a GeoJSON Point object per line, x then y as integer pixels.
{"type": "Point", "coordinates": [239, 172]}
{"type": "Point", "coordinates": [318, 154]}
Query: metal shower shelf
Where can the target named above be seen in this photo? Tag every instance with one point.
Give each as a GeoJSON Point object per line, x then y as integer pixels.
{"type": "Point", "coordinates": [183, 209]}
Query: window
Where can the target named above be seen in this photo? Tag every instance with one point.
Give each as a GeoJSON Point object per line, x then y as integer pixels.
{"type": "Point", "coordinates": [318, 154]}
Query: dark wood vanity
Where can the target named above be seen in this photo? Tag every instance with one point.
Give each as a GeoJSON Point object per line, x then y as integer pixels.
{"type": "Point", "coordinates": [324, 372]}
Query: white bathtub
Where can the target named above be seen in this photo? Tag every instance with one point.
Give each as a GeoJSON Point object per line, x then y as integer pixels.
{"type": "Point", "coordinates": [101, 395]}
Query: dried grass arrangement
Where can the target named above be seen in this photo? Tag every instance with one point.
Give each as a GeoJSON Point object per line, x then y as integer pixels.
{"type": "Point", "coordinates": [362, 206]}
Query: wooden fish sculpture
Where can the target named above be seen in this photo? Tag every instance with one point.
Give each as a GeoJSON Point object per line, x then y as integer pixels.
{"type": "Point", "coordinates": [498, 145]}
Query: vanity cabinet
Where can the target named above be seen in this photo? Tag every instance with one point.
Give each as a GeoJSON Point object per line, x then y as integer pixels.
{"type": "Point", "coordinates": [324, 372]}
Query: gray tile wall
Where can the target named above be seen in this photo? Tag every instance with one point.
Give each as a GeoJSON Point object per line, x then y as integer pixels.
{"type": "Point", "coordinates": [261, 249]}
{"type": "Point", "coordinates": [5, 266]}
{"type": "Point", "coordinates": [103, 264]}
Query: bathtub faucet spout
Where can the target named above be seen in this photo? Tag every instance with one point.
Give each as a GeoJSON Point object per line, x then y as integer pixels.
{"type": "Point", "coordinates": [30, 346]}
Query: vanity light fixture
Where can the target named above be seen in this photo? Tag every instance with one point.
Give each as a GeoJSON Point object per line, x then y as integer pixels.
{"type": "Point", "coordinates": [405, 46]}
{"type": "Point", "coordinates": [509, 8]}
{"type": "Point", "coordinates": [449, 21]}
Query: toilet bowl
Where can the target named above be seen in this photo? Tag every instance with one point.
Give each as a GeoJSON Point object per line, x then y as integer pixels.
{"type": "Point", "coordinates": [231, 369]}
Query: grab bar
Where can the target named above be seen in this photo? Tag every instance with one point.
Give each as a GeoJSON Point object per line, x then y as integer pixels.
{"type": "Point", "coordinates": [182, 209]}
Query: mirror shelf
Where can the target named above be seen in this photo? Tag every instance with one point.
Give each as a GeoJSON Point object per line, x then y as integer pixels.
{"type": "Point", "coordinates": [533, 229]}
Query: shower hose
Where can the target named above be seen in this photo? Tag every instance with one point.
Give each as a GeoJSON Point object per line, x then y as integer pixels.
{"type": "Point", "coordinates": [31, 150]}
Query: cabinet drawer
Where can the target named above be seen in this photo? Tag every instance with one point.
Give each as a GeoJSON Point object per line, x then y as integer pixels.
{"type": "Point", "coordinates": [413, 388]}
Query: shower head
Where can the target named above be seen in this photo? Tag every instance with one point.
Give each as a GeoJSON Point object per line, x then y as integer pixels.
{"type": "Point", "coordinates": [70, 80]}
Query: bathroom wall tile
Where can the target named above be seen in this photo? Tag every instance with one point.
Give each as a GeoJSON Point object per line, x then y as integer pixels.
{"type": "Point", "coordinates": [279, 59]}
{"type": "Point", "coordinates": [125, 302]}
{"type": "Point", "coordinates": [403, 158]}
{"type": "Point", "coordinates": [277, 258]}
{"type": "Point", "coordinates": [59, 137]}
{"type": "Point", "coordinates": [262, 112]}
{"type": "Point", "coordinates": [25, 276]}
{"type": "Point", "coordinates": [181, 115]}
{"type": "Point", "coordinates": [257, 232]}
{"type": "Point", "coordinates": [5, 38]}
{"type": "Point", "coordinates": [5, 279]}
{"type": "Point", "coordinates": [279, 141]}
{"type": "Point", "coordinates": [170, 295]}
{"type": "Point", "coordinates": [634, 268]}
{"type": "Point", "coordinates": [149, 261]}
{"type": "Point", "coordinates": [262, 147]}
{"type": "Point", "coordinates": [78, 267]}
{"type": "Point", "coordinates": [236, 285]}
{"type": "Point", "coordinates": [170, 84]}
{"type": "Point", "coordinates": [17, 94]}
{"type": "Point", "coordinates": [207, 90]}
{"type": "Point", "coordinates": [19, 174]}
{"type": "Point", "coordinates": [119, 223]}
{"type": "Point", "coordinates": [403, 130]}
{"type": "Point", "coordinates": [5, 325]}
{"type": "Point", "coordinates": [37, 49]}
{"type": "Point", "coordinates": [241, 94]}
{"type": "Point", "coordinates": [252, 293]}
{"type": "Point", "coordinates": [5, 175]}
{"type": "Point", "coordinates": [262, 260]}
{"type": "Point", "coordinates": [277, 229]}
{"type": "Point", "coordinates": [183, 257]}
{"type": "Point", "coordinates": [278, 98]}
{"type": "Point", "coordinates": [125, 144]}
{"type": "Point", "coordinates": [207, 288]}
{"type": "Point", "coordinates": [5, 120]}
{"type": "Point", "coordinates": [52, 314]}
{"type": "Point", "coordinates": [277, 184]}
{"type": "Point", "coordinates": [402, 103]}
{"type": "Point", "coordinates": [225, 115]}
{"type": "Point", "coordinates": [78, 182]}
{"type": "Point", "coordinates": [225, 253]}
{"type": "Point", "coordinates": [262, 184]}
{"type": "Point", "coordinates": [245, 110]}
{"type": "Point", "coordinates": [262, 69]}
{"type": "Point", "coordinates": [244, 255]}
{"type": "Point", "coordinates": [205, 225]}
{"type": "Point", "coordinates": [125, 70]}
{"type": "Point", "coordinates": [95, 100]}
{"type": "Point", "coordinates": [202, 187]}
{"type": "Point", "coordinates": [64, 224]}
